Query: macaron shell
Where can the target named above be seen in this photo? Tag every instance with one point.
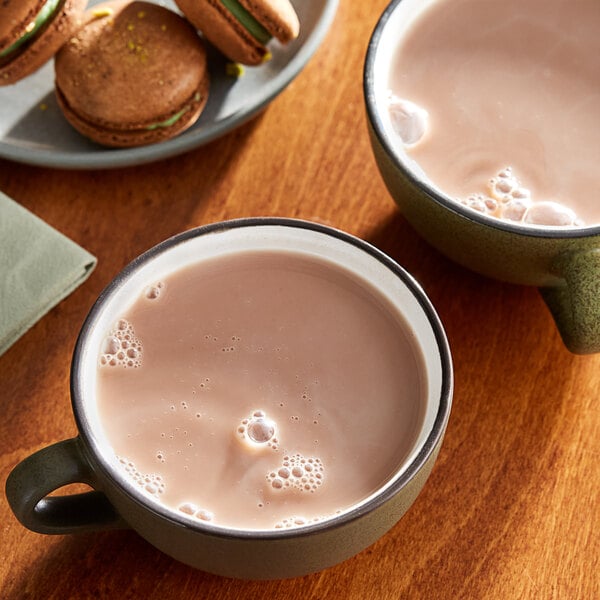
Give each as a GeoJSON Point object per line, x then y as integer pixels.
{"type": "Point", "coordinates": [278, 17]}
{"type": "Point", "coordinates": [135, 137]}
{"type": "Point", "coordinates": [134, 68]}
{"type": "Point", "coordinates": [46, 44]}
{"type": "Point", "coordinates": [223, 30]}
{"type": "Point", "coordinates": [15, 15]}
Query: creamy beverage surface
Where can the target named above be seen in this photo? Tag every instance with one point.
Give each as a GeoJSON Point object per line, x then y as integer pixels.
{"type": "Point", "coordinates": [498, 101]}
{"type": "Point", "coordinates": [260, 390]}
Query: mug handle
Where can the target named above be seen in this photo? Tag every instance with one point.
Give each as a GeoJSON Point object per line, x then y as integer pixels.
{"type": "Point", "coordinates": [575, 305]}
{"type": "Point", "coordinates": [30, 482]}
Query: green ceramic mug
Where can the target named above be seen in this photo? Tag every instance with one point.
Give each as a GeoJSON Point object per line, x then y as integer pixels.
{"type": "Point", "coordinates": [118, 502]}
{"type": "Point", "coordinates": [563, 263]}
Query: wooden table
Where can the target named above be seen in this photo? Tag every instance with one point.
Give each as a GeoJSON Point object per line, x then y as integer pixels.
{"type": "Point", "coordinates": [511, 509]}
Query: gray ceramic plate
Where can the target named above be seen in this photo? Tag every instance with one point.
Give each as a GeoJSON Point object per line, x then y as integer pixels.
{"type": "Point", "coordinates": [33, 130]}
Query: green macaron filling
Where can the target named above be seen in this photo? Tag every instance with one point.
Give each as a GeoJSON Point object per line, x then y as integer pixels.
{"type": "Point", "coordinates": [174, 118]}
{"type": "Point", "coordinates": [254, 28]}
{"type": "Point", "coordinates": [170, 121]}
{"type": "Point", "coordinates": [42, 18]}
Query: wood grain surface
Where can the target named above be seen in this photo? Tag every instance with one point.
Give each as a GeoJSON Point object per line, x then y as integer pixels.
{"type": "Point", "coordinates": [511, 509]}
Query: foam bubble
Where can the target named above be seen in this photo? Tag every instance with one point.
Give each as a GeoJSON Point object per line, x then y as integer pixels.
{"type": "Point", "coordinates": [477, 203]}
{"type": "Point", "coordinates": [550, 213]}
{"type": "Point", "coordinates": [152, 292]}
{"type": "Point", "coordinates": [189, 508]}
{"type": "Point", "coordinates": [508, 199]}
{"type": "Point", "coordinates": [111, 344]}
{"type": "Point", "coordinates": [505, 186]}
{"type": "Point", "coordinates": [152, 483]}
{"type": "Point", "coordinates": [258, 430]}
{"type": "Point", "coordinates": [205, 515]}
{"type": "Point", "coordinates": [514, 210]}
{"type": "Point", "coordinates": [121, 347]}
{"type": "Point", "coordinates": [296, 521]}
{"type": "Point", "coordinates": [408, 120]}
{"type": "Point", "coordinates": [297, 472]}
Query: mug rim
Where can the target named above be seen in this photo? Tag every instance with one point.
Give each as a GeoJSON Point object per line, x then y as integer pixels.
{"type": "Point", "coordinates": [412, 468]}
{"type": "Point", "coordinates": [421, 183]}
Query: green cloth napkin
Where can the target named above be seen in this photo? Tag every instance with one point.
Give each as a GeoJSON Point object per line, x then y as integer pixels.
{"type": "Point", "coordinates": [38, 268]}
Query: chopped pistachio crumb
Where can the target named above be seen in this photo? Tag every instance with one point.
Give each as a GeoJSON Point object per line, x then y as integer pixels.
{"type": "Point", "coordinates": [163, 27]}
{"type": "Point", "coordinates": [267, 57]}
{"type": "Point", "coordinates": [130, 27]}
{"type": "Point", "coordinates": [234, 69]}
{"type": "Point", "coordinates": [131, 45]}
{"type": "Point", "coordinates": [141, 14]}
{"type": "Point", "coordinates": [102, 12]}
{"type": "Point", "coordinates": [43, 106]}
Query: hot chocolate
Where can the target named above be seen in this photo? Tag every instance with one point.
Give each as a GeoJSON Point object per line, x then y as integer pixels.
{"type": "Point", "coordinates": [498, 103]}
{"type": "Point", "coordinates": [260, 390]}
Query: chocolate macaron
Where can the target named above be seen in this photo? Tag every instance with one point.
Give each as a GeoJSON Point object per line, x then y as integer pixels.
{"type": "Point", "coordinates": [241, 29]}
{"type": "Point", "coordinates": [135, 73]}
{"type": "Point", "coordinates": [31, 32]}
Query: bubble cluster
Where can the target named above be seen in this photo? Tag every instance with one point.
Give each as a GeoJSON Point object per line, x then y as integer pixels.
{"type": "Point", "coordinates": [235, 339]}
{"type": "Point", "coordinates": [121, 347]}
{"type": "Point", "coordinates": [297, 472]}
{"type": "Point", "coordinates": [189, 508]}
{"type": "Point", "coordinates": [507, 199]}
{"type": "Point", "coordinates": [258, 430]}
{"type": "Point", "coordinates": [291, 522]}
{"type": "Point", "coordinates": [409, 121]}
{"type": "Point", "coordinates": [231, 344]}
{"type": "Point", "coordinates": [152, 292]}
{"type": "Point", "coordinates": [152, 483]}
{"type": "Point", "coordinates": [203, 385]}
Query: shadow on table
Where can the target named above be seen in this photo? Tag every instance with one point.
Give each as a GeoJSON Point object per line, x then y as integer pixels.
{"type": "Point", "coordinates": [122, 565]}
{"type": "Point", "coordinates": [513, 378]}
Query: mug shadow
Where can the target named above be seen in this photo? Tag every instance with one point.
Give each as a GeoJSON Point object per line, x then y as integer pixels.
{"type": "Point", "coordinates": [502, 436]}
{"type": "Point", "coordinates": [122, 564]}
{"type": "Point", "coordinates": [396, 237]}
